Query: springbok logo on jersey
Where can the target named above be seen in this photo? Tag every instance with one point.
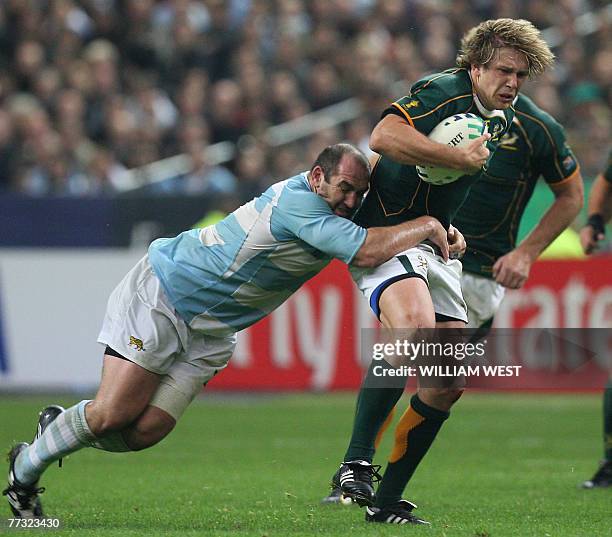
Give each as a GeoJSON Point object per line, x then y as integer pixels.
{"type": "Point", "coordinates": [411, 104]}
{"type": "Point", "coordinates": [495, 130]}
{"type": "Point", "coordinates": [136, 343]}
{"type": "Point", "coordinates": [509, 140]}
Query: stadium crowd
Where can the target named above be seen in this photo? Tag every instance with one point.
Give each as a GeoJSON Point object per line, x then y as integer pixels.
{"type": "Point", "coordinates": [93, 88]}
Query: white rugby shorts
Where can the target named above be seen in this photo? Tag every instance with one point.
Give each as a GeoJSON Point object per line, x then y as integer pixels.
{"type": "Point", "coordinates": [483, 297]}
{"type": "Point", "coordinates": [443, 279]}
{"type": "Point", "coordinates": [141, 325]}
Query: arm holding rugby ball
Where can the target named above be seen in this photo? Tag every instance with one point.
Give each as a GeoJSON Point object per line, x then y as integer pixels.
{"type": "Point", "coordinates": [398, 140]}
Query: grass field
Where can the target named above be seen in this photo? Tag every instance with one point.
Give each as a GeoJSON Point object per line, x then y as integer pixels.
{"type": "Point", "coordinates": [503, 465]}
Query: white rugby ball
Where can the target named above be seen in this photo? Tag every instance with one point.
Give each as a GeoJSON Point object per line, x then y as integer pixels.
{"type": "Point", "coordinates": [457, 131]}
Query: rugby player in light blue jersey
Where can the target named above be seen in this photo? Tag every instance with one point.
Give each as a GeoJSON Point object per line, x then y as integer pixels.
{"type": "Point", "coordinates": [170, 324]}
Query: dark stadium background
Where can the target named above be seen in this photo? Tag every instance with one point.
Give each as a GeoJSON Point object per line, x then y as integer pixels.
{"type": "Point", "coordinates": [123, 121]}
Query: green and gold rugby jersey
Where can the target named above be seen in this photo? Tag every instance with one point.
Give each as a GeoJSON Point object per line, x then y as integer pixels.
{"type": "Point", "coordinates": [490, 217]}
{"type": "Point", "coordinates": [396, 192]}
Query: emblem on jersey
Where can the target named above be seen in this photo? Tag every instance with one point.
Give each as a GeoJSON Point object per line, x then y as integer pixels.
{"type": "Point", "coordinates": [136, 343]}
{"type": "Point", "coordinates": [495, 131]}
{"type": "Point", "coordinates": [508, 140]}
{"type": "Point", "coordinates": [422, 262]}
{"type": "Point", "coordinates": [411, 104]}
{"type": "Point", "coordinates": [568, 162]}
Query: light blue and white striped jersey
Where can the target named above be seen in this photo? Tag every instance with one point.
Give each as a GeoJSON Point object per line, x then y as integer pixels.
{"type": "Point", "coordinates": [226, 277]}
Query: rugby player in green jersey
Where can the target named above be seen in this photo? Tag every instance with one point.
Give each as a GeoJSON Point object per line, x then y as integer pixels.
{"type": "Point", "coordinates": [600, 212]}
{"type": "Point", "coordinates": [534, 146]}
{"type": "Point", "coordinates": [417, 289]}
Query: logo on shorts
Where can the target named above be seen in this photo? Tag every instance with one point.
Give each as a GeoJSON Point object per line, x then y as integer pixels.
{"type": "Point", "coordinates": [422, 262]}
{"type": "Point", "coordinates": [136, 343]}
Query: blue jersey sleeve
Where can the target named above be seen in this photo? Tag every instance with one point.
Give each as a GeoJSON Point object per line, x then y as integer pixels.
{"type": "Point", "coordinates": [305, 215]}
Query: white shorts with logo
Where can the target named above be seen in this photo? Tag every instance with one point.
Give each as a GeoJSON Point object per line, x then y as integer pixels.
{"type": "Point", "coordinates": [141, 325]}
{"type": "Point", "coordinates": [443, 279]}
{"type": "Point", "coordinates": [483, 297]}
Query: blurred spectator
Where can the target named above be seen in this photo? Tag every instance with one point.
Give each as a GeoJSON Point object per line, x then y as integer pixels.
{"type": "Point", "coordinates": [7, 150]}
{"type": "Point", "coordinates": [252, 170]}
{"type": "Point", "coordinates": [107, 85]}
{"type": "Point", "coordinates": [228, 120]}
{"type": "Point", "coordinates": [201, 178]}
{"type": "Point", "coordinates": [107, 175]}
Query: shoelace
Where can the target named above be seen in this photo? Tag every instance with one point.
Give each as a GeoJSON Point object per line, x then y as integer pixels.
{"type": "Point", "coordinates": [23, 491]}
{"type": "Point", "coordinates": [367, 473]}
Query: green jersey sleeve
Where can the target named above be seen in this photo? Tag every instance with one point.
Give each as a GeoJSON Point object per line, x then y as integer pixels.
{"type": "Point", "coordinates": [429, 103]}
{"type": "Point", "coordinates": [553, 158]}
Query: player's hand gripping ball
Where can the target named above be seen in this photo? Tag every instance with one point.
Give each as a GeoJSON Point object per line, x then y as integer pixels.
{"type": "Point", "coordinates": [457, 131]}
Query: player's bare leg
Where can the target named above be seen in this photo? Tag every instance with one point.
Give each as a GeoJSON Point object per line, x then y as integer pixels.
{"type": "Point", "coordinates": [405, 304]}
{"type": "Point", "coordinates": [152, 426]}
{"type": "Point", "coordinates": [443, 398]}
{"type": "Point", "coordinates": [124, 393]}
{"type": "Point", "coordinates": [125, 390]}
{"type": "Point", "coordinates": [414, 435]}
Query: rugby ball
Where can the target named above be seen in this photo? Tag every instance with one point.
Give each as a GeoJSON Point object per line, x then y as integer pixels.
{"type": "Point", "coordinates": [457, 131]}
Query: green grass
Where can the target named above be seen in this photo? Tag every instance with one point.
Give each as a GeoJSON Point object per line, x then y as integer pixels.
{"type": "Point", "coordinates": [503, 465]}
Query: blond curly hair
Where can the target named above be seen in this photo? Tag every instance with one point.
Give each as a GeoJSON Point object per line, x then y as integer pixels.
{"type": "Point", "coordinates": [479, 44]}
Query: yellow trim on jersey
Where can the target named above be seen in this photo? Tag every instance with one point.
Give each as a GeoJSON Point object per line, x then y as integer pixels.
{"type": "Point", "coordinates": [373, 166]}
{"type": "Point", "coordinates": [575, 175]}
{"type": "Point", "coordinates": [516, 199]}
{"type": "Point", "coordinates": [549, 136]}
{"type": "Point", "coordinates": [427, 197]}
{"type": "Point", "coordinates": [382, 206]}
{"type": "Point", "coordinates": [440, 75]}
{"type": "Point", "coordinates": [406, 115]}
{"type": "Point", "coordinates": [445, 103]}
{"type": "Point", "coordinates": [524, 132]}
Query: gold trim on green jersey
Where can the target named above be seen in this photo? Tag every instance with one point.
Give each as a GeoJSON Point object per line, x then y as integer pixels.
{"type": "Point", "coordinates": [519, 191]}
{"type": "Point", "coordinates": [483, 268]}
{"type": "Point", "coordinates": [548, 135]}
{"type": "Point", "coordinates": [446, 102]}
{"type": "Point", "coordinates": [448, 72]}
{"type": "Point", "coordinates": [569, 178]}
{"type": "Point", "coordinates": [406, 114]}
{"type": "Point", "coordinates": [406, 208]}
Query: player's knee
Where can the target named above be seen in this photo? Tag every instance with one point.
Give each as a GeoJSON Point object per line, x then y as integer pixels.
{"type": "Point", "coordinates": [103, 419]}
{"type": "Point", "coordinates": [450, 395]}
{"type": "Point", "coordinates": [453, 395]}
{"type": "Point", "coordinates": [151, 427]}
{"type": "Point", "coordinates": [442, 398]}
{"type": "Point", "coordinates": [145, 437]}
{"type": "Point", "coordinates": [410, 318]}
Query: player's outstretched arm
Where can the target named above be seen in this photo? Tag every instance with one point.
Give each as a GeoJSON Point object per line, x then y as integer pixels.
{"type": "Point", "coordinates": [600, 212]}
{"type": "Point", "coordinates": [399, 141]}
{"type": "Point", "coordinates": [382, 243]}
{"type": "Point", "coordinates": [512, 269]}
